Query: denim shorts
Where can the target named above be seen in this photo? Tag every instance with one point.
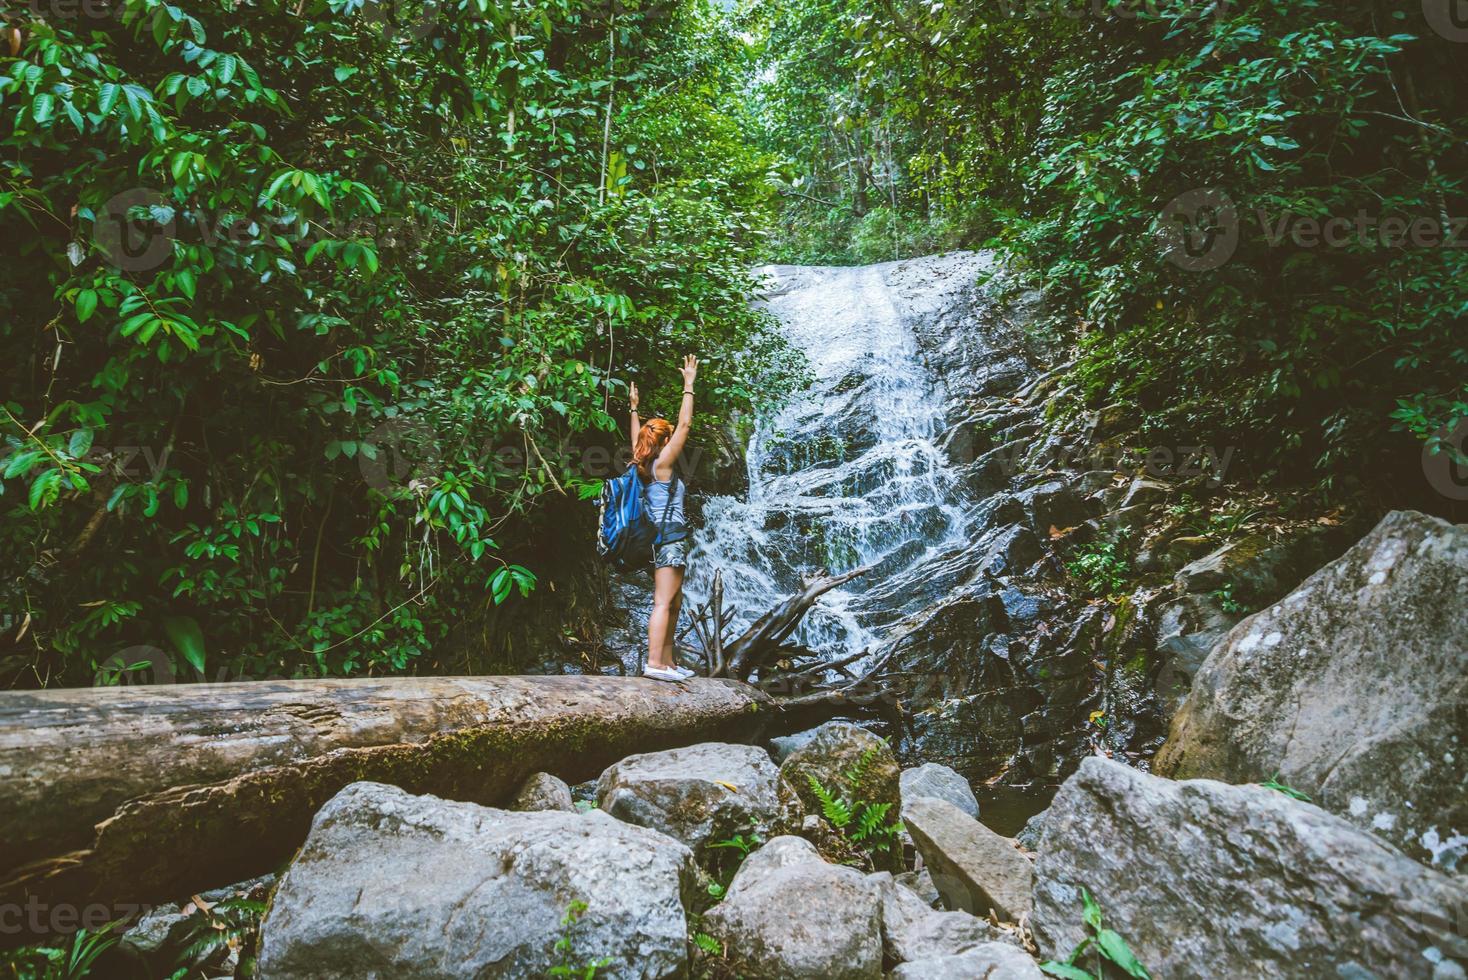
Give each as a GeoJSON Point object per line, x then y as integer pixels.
{"type": "Point", "coordinates": [674, 554]}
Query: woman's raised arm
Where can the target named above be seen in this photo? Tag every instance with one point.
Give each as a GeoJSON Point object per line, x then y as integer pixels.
{"type": "Point", "coordinates": [685, 413]}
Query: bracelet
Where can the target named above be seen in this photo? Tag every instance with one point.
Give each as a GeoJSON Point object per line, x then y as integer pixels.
{"type": "Point", "coordinates": [687, 391]}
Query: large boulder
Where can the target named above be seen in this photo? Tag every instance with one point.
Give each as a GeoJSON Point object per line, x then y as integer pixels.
{"type": "Point", "coordinates": [542, 791]}
{"type": "Point", "coordinates": [836, 752]}
{"type": "Point", "coordinates": [991, 961]}
{"type": "Point", "coordinates": [1207, 880]}
{"type": "Point", "coordinates": [394, 885]}
{"type": "Point", "coordinates": [1187, 631]}
{"type": "Point", "coordinates": [942, 783]}
{"type": "Point", "coordinates": [700, 794]}
{"type": "Point", "coordinates": [975, 869]}
{"type": "Point", "coordinates": [789, 915]}
{"type": "Point", "coordinates": [1353, 689]}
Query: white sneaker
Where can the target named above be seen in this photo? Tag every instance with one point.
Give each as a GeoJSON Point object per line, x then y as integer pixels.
{"type": "Point", "coordinates": [685, 671]}
{"type": "Point", "coordinates": [662, 674]}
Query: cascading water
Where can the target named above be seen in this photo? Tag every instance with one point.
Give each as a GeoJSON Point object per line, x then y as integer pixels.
{"type": "Point", "coordinates": [848, 474]}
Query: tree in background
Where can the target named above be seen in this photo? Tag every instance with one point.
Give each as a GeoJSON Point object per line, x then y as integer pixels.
{"type": "Point", "coordinates": [309, 305]}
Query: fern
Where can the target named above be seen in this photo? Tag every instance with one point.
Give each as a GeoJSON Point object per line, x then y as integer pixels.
{"type": "Point", "coordinates": [858, 771]}
{"type": "Point", "coordinates": [836, 810]}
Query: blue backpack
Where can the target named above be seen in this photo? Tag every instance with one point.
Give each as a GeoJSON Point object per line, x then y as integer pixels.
{"type": "Point", "coordinates": [628, 534]}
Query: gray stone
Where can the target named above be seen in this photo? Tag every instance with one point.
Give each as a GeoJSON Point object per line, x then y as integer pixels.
{"type": "Point", "coordinates": [781, 746]}
{"type": "Point", "coordinates": [942, 783]}
{"type": "Point", "coordinates": [699, 794]}
{"type": "Point", "coordinates": [1187, 631]}
{"type": "Point", "coordinates": [1353, 689]}
{"type": "Point", "coordinates": [161, 928]}
{"type": "Point", "coordinates": [394, 885]}
{"type": "Point", "coordinates": [1029, 835]}
{"type": "Point", "coordinates": [920, 883]}
{"type": "Point", "coordinates": [791, 916]}
{"type": "Point", "coordinates": [914, 930]}
{"type": "Point", "coordinates": [1145, 492]}
{"type": "Point", "coordinates": [991, 961]}
{"type": "Point", "coordinates": [542, 791]}
{"type": "Point", "coordinates": [831, 755]}
{"type": "Point", "coordinates": [1208, 880]}
{"type": "Point", "coordinates": [975, 869]}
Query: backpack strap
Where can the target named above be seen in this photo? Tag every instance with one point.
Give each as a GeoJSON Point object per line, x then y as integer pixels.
{"type": "Point", "coordinates": [667, 507]}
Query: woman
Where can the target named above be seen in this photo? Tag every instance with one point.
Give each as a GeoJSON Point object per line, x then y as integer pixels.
{"type": "Point", "coordinates": [656, 448]}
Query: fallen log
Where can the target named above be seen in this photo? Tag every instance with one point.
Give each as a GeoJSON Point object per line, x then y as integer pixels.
{"type": "Point", "coordinates": [117, 796]}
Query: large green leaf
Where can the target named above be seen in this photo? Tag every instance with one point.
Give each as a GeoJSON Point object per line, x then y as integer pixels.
{"type": "Point", "coordinates": [187, 638]}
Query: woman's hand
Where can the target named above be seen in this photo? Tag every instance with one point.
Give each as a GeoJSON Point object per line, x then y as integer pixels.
{"type": "Point", "coordinates": [690, 370]}
{"type": "Point", "coordinates": [632, 396]}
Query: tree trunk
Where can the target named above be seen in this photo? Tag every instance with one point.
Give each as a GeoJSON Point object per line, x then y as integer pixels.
{"type": "Point", "coordinates": [141, 794]}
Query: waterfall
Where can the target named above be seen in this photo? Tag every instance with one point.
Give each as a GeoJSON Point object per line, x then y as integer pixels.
{"type": "Point", "coordinates": [847, 474]}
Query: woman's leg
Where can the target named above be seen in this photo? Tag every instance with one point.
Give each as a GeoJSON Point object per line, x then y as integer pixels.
{"type": "Point", "coordinates": [670, 652]}
{"type": "Point", "coordinates": [667, 585]}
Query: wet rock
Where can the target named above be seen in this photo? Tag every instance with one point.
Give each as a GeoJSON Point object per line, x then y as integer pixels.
{"type": "Point", "coordinates": [394, 885]}
{"type": "Point", "coordinates": [1187, 631]}
{"type": "Point", "coordinates": [974, 868]}
{"type": "Point", "coordinates": [940, 782]}
{"type": "Point", "coordinates": [836, 751]}
{"type": "Point", "coordinates": [1183, 550]}
{"type": "Point", "coordinates": [913, 930]}
{"type": "Point", "coordinates": [1352, 689]}
{"type": "Point", "coordinates": [699, 794]}
{"type": "Point", "coordinates": [1207, 880]}
{"type": "Point", "coordinates": [542, 791]}
{"type": "Point", "coordinates": [1258, 569]}
{"type": "Point", "coordinates": [1052, 504]}
{"type": "Point", "coordinates": [1146, 493]}
{"type": "Point", "coordinates": [991, 961]}
{"type": "Point", "coordinates": [790, 915]}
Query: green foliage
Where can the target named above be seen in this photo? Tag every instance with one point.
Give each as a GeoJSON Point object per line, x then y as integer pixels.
{"type": "Point", "coordinates": [69, 962]}
{"type": "Point", "coordinates": [869, 826]}
{"type": "Point", "coordinates": [567, 964]}
{"type": "Point", "coordinates": [313, 313]}
{"type": "Point", "coordinates": [1059, 133]}
{"type": "Point", "coordinates": [1226, 600]}
{"type": "Point", "coordinates": [1273, 783]}
{"type": "Point", "coordinates": [1101, 567]}
{"type": "Point", "coordinates": [1106, 947]}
